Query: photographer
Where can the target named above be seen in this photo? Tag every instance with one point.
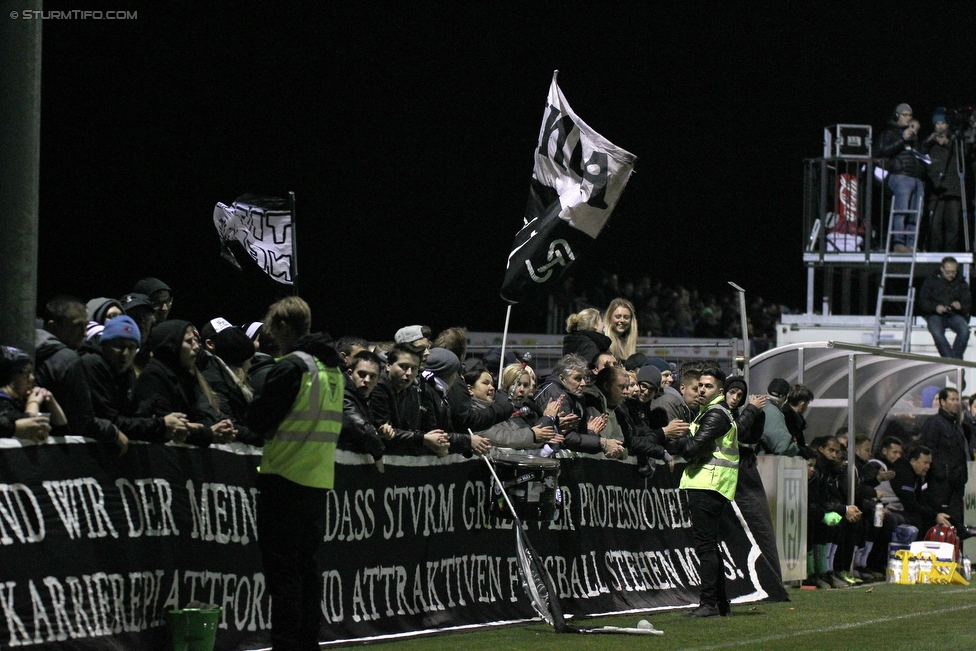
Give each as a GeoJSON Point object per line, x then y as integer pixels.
{"type": "Point", "coordinates": [945, 196]}
{"type": "Point", "coordinates": [944, 302]}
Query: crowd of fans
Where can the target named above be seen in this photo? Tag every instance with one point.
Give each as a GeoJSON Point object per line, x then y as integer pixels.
{"type": "Point", "coordinates": [115, 370]}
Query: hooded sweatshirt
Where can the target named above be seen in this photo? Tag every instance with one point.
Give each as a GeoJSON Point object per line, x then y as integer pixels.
{"type": "Point", "coordinates": [165, 386]}
{"type": "Point", "coordinates": [58, 369]}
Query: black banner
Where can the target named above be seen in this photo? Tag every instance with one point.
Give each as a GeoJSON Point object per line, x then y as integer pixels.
{"type": "Point", "coordinates": [95, 549]}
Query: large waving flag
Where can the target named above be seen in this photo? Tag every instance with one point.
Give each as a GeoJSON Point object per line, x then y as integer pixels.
{"type": "Point", "coordinates": [263, 226]}
{"type": "Point", "coordinates": [577, 179]}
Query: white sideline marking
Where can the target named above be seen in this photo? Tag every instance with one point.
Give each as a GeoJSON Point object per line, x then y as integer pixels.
{"type": "Point", "coordinates": [829, 629]}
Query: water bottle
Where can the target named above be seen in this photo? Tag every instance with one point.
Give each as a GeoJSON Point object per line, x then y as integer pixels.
{"type": "Point", "coordinates": [924, 569]}
{"type": "Point", "coordinates": [878, 514]}
{"type": "Point", "coordinates": [912, 570]}
{"type": "Point", "coordinates": [894, 570]}
{"type": "Point", "coordinates": [967, 568]}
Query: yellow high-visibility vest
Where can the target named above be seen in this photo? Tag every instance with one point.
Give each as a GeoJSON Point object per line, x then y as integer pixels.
{"type": "Point", "coordinates": [718, 471]}
{"type": "Point", "coordinates": [303, 448]}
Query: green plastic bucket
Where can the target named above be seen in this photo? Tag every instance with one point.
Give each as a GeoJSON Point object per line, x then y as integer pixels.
{"type": "Point", "coordinates": [193, 629]}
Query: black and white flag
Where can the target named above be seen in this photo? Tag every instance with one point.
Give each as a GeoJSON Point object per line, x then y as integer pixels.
{"type": "Point", "coordinates": [577, 178]}
{"type": "Point", "coordinates": [262, 225]}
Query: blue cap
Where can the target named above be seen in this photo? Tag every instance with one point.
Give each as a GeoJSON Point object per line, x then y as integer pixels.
{"type": "Point", "coordinates": [121, 327]}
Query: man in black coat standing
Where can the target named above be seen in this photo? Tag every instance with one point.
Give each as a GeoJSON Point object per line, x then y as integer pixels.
{"type": "Point", "coordinates": [942, 434]}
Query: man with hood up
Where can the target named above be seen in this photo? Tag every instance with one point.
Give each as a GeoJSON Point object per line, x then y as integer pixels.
{"type": "Point", "coordinates": [58, 369]}
{"type": "Point", "coordinates": [170, 383]}
{"type": "Point", "coordinates": [300, 415]}
{"type": "Point", "coordinates": [160, 295]}
{"type": "Point", "coordinates": [100, 310]}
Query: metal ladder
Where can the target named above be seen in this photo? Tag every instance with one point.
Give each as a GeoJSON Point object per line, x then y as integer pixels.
{"type": "Point", "coordinates": [897, 273]}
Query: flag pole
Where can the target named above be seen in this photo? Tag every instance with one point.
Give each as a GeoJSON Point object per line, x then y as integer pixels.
{"type": "Point", "coordinates": [501, 363]}
{"type": "Point", "coordinates": [745, 331]}
{"type": "Point", "coordinates": [294, 245]}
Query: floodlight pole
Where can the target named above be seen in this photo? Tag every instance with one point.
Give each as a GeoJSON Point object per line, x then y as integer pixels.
{"type": "Point", "coordinates": [745, 331]}
{"type": "Point", "coordinates": [20, 133]}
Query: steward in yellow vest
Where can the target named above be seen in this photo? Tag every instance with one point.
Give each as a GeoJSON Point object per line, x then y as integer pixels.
{"type": "Point", "coordinates": [299, 413]}
{"type": "Point", "coordinates": [712, 451]}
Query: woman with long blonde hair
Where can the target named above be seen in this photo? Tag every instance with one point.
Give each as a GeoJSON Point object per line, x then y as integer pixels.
{"type": "Point", "coordinates": [621, 327]}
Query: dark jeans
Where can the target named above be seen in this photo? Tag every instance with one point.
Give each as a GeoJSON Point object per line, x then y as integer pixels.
{"type": "Point", "coordinates": [939, 323]}
{"type": "Point", "coordinates": [907, 190]}
{"type": "Point", "coordinates": [944, 233]}
{"type": "Point", "coordinates": [707, 507]}
{"type": "Point", "coordinates": [290, 532]}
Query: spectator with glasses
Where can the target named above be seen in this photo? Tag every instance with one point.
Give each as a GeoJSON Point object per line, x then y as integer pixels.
{"type": "Point", "coordinates": [898, 142]}
{"type": "Point", "coordinates": [160, 295]}
{"type": "Point", "coordinates": [21, 401]}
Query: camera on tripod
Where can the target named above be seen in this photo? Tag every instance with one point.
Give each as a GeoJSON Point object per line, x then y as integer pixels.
{"type": "Point", "coordinates": [960, 119]}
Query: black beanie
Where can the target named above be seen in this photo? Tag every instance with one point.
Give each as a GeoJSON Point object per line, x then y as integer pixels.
{"type": "Point", "coordinates": [736, 382]}
{"type": "Point", "coordinates": [233, 346]}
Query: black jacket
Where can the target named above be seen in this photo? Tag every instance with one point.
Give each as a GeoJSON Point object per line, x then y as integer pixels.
{"type": "Point", "coordinates": [943, 176]}
{"type": "Point", "coordinates": [936, 290]}
{"type": "Point", "coordinates": [284, 381]}
{"type": "Point", "coordinates": [901, 152]}
{"type": "Point", "coordinates": [111, 395]}
{"type": "Point", "coordinates": [713, 424]}
{"type": "Point", "coordinates": [825, 492]}
{"type": "Point", "coordinates": [233, 402]}
{"type": "Point", "coordinates": [58, 369]}
{"type": "Point", "coordinates": [165, 386]}
{"type": "Point", "coordinates": [640, 438]}
{"type": "Point", "coordinates": [943, 434]}
{"type": "Point", "coordinates": [586, 343]}
{"type": "Point", "coordinates": [261, 365]}
{"type": "Point", "coordinates": [912, 491]}
{"type": "Point", "coordinates": [358, 433]}
{"type": "Point", "coordinates": [405, 413]}
{"type": "Point", "coordinates": [579, 439]}
{"type": "Point", "coordinates": [795, 423]}
{"type": "Point", "coordinates": [465, 416]}
{"type": "Point", "coordinates": [11, 411]}
{"type": "Point", "coordinates": [413, 412]}
{"type": "Point", "coordinates": [750, 421]}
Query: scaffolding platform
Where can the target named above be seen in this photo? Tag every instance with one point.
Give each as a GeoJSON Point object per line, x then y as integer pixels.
{"type": "Point", "coordinates": [856, 270]}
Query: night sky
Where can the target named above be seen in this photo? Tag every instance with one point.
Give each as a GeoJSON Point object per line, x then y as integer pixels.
{"type": "Point", "coordinates": [407, 133]}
